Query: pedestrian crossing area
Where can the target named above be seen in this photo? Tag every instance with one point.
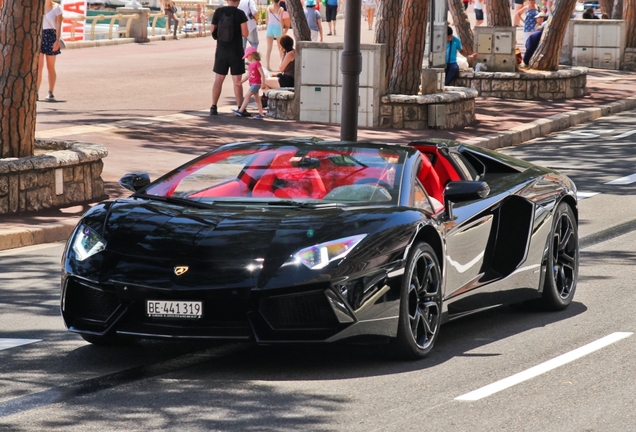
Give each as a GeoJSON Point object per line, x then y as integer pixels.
{"type": "Point", "coordinates": [8, 343]}
{"type": "Point", "coordinates": [622, 181]}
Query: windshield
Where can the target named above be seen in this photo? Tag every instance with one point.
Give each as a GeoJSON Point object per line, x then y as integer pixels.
{"type": "Point", "coordinates": [303, 172]}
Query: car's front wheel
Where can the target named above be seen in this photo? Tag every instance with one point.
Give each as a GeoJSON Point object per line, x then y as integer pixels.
{"type": "Point", "coordinates": [562, 263]}
{"type": "Point", "coordinates": [420, 304]}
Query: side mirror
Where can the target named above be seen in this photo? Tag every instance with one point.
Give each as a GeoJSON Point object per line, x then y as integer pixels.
{"type": "Point", "coordinates": [458, 191]}
{"type": "Point", "coordinates": [135, 181]}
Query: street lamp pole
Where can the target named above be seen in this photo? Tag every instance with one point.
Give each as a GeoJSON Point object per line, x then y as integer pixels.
{"type": "Point", "coordinates": [351, 66]}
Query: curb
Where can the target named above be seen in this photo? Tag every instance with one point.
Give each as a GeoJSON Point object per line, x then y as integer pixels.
{"type": "Point", "coordinates": [28, 236]}
{"type": "Point", "coordinates": [542, 127]}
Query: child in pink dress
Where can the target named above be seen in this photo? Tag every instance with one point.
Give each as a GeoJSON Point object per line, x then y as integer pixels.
{"type": "Point", "coordinates": [255, 75]}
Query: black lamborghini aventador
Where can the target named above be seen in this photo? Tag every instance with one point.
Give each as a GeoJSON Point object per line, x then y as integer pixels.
{"type": "Point", "coordinates": [312, 241]}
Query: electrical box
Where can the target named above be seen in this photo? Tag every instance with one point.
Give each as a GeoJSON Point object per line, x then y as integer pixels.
{"type": "Point", "coordinates": [436, 115]}
{"type": "Point", "coordinates": [582, 56]}
{"type": "Point", "coordinates": [503, 43]}
{"type": "Point", "coordinates": [320, 82]}
{"type": "Point", "coordinates": [484, 43]}
{"type": "Point", "coordinates": [495, 47]}
{"type": "Point", "coordinates": [594, 43]}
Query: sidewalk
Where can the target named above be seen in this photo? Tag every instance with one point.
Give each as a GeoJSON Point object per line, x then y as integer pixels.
{"type": "Point", "coordinates": [166, 144]}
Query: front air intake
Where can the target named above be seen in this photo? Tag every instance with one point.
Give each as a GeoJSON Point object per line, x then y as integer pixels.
{"type": "Point", "coordinates": [304, 311]}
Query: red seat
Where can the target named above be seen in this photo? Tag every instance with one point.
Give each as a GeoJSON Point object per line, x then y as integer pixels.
{"type": "Point", "coordinates": [431, 181]}
{"type": "Point", "coordinates": [283, 180]}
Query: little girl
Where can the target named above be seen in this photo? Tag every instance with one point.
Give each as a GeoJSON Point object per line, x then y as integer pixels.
{"type": "Point", "coordinates": [255, 75]}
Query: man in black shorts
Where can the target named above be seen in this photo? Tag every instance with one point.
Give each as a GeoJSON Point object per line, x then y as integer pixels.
{"type": "Point", "coordinates": [229, 50]}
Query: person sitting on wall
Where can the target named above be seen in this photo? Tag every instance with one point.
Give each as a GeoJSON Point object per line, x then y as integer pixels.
{"type": "Point", "coordinates": [533, 40]}
{"type": "Point", "coordinates": [452, 47]}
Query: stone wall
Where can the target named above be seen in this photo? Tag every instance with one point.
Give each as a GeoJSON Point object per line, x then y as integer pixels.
{"type": "Point", "coordinates": [62, 173]}
{"type": "Point", "coordinates": [629, 60]}
{"type": "Point", "coordinates": [280, 104]}
{"type": "Point", "coordinates": [530, 85]}
{"type": "Point", "coordinates": [411, 112]}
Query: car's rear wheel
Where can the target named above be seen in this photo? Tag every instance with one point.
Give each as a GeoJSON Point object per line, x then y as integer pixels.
{"type": "Point", "coordinates": [562, 263]}
{"type": "Point", "coordinates": [420, 305]}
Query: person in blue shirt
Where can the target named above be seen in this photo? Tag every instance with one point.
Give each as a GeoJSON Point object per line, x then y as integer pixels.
{"type": "Point", "coordinates": [331, 12]}
{"type": "Point", "coordinates": [453, 45]}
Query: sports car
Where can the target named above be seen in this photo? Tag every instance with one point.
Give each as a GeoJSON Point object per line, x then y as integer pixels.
{"type": "Point", "coordinates": [313, 241]}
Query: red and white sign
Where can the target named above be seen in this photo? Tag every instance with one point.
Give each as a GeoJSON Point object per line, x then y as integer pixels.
{"type": "Point", "coordinates": [72, 9]}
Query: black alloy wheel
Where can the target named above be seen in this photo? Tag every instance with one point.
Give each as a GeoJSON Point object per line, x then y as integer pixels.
{"type": "Point", "coordinates": [562, 263]}
{"type": "Point", "coordinates": [420, 304]}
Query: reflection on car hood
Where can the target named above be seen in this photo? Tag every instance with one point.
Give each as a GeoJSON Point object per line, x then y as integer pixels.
{"type": "Point", "coordinates": [151, 237]}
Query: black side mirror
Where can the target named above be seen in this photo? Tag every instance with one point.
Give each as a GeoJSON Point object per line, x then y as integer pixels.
{"type": "Point", "coordinates": [135, 181]}
{"type": "Point", "coordinates": [458, 191]}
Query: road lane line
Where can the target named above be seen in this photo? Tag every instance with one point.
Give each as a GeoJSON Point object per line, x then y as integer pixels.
{"type": "Point", "coordinates": [543, 367]}
{"type": "Point", "coordinates": [623, 180]}
{"type": "Point", "coordinates": [12, 343]}
{"type": "Point", "coordinates": [582, 195]}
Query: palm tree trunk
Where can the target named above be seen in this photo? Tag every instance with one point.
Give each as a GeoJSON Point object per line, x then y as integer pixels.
{"type": "Point", "coordinates": [498, 13]}
{"type": "Point", "coordinates": [20, 38]}
{"type": "Point", "coordinates": [299, 22]}
{"type": "Point", "coordinates": [386, 30]}
{"type": "Point", "coordinates": [462, 25]}
{"type": "Point", "coordinates": [548, 52]}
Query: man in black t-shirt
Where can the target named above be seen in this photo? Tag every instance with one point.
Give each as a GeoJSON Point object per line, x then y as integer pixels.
{"type": "Point", "coordinates": [229, 54]}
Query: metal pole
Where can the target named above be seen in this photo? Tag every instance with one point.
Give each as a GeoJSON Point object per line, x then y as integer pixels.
{"type": "Point", "coordinates": [351, 66]}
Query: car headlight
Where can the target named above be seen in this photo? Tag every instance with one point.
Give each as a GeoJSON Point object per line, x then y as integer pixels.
{"type": "Point", "coordinates": [87, 243]}
{"type": "Point", "coordinates": [318, 256]}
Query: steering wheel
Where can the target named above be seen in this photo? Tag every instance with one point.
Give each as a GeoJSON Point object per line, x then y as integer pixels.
{"type": "Point", "coordinates": [374, 181]}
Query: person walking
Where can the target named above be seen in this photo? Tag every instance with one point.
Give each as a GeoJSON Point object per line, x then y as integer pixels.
{"type": "Point", "coordinates": [478, 7]}
{"type": "Point", "coordinates": [170, 9]}
{"type": "Point", "coordinates": [274, 25]}
{"type": "Point", "coordinates": [250, 10]}
{"type": "Point", "coordinates": [331, 13]}
{"type": "Point", "coordinates": [255, 76]}
{"type": "Point", "coordinates": [370, 6]}
{"type": "Point", "coordinates": [286, 17]}
{"type": "Point", "coordinates": [50, 47]}
{"type": "Point", "coordinates": [229, 26]}
{"type": "Point", "coordinates": [314, 21]}
{"type": "Point", "coordinates": [530, 20]}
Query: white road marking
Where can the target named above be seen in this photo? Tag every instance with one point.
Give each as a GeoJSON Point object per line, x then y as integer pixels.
{"type": "Point", "coordinates": [543, 367]}
{"type": "Point", "coordinates": [582, 195]}
{"type": "Point", "coordinates": [12, 343]}
{"type": "Point", "coordinates": [626, 134]}
{"type": "Point", "coordinates": [623, 180]}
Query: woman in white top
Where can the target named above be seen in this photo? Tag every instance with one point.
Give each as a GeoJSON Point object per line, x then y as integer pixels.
{"type": "Point", "coordinates": [51, 34]}
{"type": "Point", "coordinates": [478, 7]}
{"type": "Point", "coordinates": [274, 26]}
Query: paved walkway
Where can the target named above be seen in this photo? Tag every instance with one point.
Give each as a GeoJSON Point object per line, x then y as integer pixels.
{"type": "Point", "coordinates": [165, 141]}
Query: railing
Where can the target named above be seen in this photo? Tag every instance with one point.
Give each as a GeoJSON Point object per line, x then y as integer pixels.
{"type": "Point", "coordinates": [181, 16]}
{"type": "Point", "coordinates": [113, 18]}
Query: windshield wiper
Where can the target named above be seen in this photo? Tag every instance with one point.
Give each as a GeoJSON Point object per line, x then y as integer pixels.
{"type": "Point", "coordinates": [299, 204]}
{"type": "Point", "coordinates": [176, 200]}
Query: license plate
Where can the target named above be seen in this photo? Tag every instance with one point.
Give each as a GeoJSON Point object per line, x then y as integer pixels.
{"type": "Point", "coordinates": [174, 309]}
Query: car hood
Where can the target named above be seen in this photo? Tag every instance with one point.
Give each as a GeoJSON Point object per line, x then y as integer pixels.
{"type": "Point", "coordinates": [146, 240]}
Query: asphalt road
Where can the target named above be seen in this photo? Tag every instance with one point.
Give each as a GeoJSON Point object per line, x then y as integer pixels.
{"type": "Point", "coordinates": [565, 371]}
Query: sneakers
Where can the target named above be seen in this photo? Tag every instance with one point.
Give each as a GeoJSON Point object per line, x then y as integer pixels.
{"type": "Point", "coordinates": [241, 114]}
{"type": "Point", "coordinates": [258, 117]}
{"type": "Point", "coordinates": [49, 97]}
{"type": "Point", "coordinates": [213, 110]}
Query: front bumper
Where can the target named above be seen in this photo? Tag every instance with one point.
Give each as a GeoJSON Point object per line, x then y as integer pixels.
{"type": "Point", "coordinates": [312, 313]}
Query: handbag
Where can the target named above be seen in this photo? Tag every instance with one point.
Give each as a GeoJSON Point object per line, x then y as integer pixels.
{"type": "Point", "coordinates": [174, 9]}
{"type": "Point", "coordinates": [62, 44]}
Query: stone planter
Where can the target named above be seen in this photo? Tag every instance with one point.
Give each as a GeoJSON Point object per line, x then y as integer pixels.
{"type": "Point", "coordinates": [532, 85]}
{"type": "Point", "coordinates": [61, 174]}
{"type": "Point", "coordinates": [280, 104]}
{"type": "Point", "coordinates": [629, 62]}
{"type": "Point", "coordinates": [455, 107]}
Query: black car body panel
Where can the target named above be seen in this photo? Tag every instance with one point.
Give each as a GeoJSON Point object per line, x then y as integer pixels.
{"type": "Point", "coordinates": [240, 259]}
